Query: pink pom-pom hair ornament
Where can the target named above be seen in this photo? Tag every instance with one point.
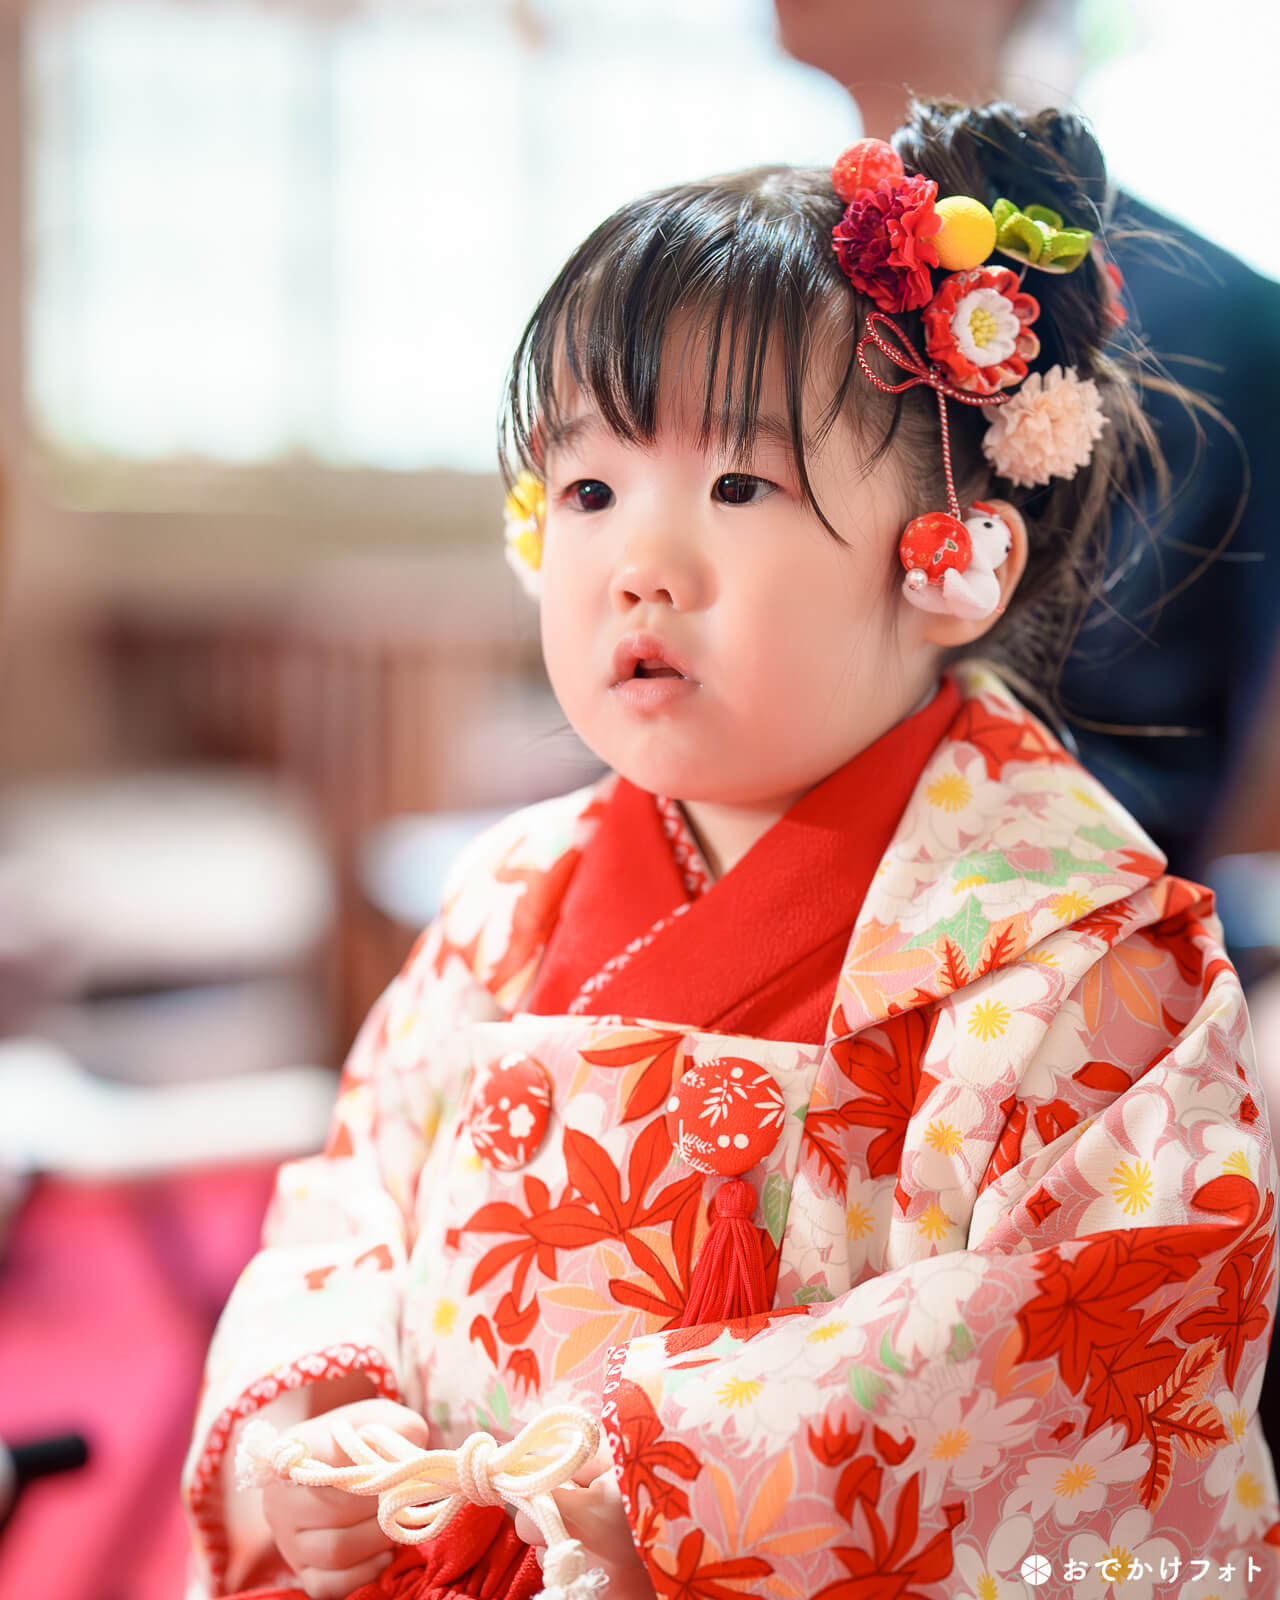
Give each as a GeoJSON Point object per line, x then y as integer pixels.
{"type": "Point", "coordinates": [1047, 430]}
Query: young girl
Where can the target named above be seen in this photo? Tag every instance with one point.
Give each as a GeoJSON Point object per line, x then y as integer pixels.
{"type": "Point", "coordinates": [839, 1100]}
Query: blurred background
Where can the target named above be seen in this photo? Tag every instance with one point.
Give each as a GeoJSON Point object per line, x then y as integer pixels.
{"type": "Point", "coordinates": [262, 667]}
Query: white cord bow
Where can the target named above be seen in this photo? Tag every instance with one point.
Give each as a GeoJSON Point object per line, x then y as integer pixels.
{"type": "Point", "coordinates": [421, 1491]}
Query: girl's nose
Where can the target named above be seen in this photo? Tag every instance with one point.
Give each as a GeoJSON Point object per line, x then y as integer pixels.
{"type": "Point", "coordinates": [657, 571]}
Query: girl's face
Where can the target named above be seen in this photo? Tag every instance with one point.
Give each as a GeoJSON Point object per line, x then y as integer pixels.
{"type": "Point", "coordinates": [703, 632]}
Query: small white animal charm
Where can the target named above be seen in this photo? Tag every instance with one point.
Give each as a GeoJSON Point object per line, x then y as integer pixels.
{"type": "Point", "coordinates": [972, 592]}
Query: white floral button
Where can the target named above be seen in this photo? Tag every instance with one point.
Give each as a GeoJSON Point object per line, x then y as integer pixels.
{"type": "Point", "coordinates": [509, 1112]}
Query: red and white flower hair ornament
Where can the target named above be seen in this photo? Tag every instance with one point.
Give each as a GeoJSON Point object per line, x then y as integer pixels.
{"type": "Point", "coordinates": [978, 329]}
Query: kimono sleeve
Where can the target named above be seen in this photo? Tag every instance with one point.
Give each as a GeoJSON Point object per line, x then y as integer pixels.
{"type": "Point", "coordinates": [1076, 1377]}
{"type": "Point", "coordinates": [322, 1298]}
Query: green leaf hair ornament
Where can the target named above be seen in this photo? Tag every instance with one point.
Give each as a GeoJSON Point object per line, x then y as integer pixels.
{"type": "Point", "coordinates": [1035, 235]}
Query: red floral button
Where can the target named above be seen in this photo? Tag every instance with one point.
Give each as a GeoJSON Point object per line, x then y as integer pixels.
{"type": "Point", "coordinates": [725, 1115]}
{"type": "Point", "coordinates": [509, 1112]}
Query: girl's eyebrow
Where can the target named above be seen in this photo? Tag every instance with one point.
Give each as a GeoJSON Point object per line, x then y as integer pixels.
{"type": "Point", "coordinates": [567, 432]}
{"type": "Point", "coordinates": [779, 430]}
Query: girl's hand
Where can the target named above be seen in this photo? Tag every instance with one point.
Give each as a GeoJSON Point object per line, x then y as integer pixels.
{"type": "Point", "coordinates": [592, 1512]}
{"type": "Point", "coordinates": [331, 1539]}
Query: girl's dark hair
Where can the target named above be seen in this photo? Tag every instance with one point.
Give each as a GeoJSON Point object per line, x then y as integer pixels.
{"type": "Point", "coordinates": [747, 259]}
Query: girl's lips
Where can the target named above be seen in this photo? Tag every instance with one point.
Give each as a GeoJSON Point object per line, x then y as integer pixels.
{"type": "Point", "coordinates": [654, 653]}
{"type": "Point", "coordinates": [648, 695]}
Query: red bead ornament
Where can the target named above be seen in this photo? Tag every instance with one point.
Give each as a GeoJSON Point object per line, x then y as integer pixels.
{"type": "Point", "coordinates": [509, 1112]}
{"type": "Point", "coordinates": [863, 165]}
{"type": "Point", "coordinates": [725, 1115]}
{"type": "Point", "coordinates": [933, 545]}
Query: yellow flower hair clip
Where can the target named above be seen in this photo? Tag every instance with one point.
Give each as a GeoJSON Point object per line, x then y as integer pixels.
{"type": "Point", "coordinates": [1036, 235]}
{"type": "Point", "coordinates": [523, 517]}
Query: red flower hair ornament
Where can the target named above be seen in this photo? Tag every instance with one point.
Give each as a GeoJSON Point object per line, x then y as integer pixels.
{"type": "Point", "coordinates": [885, 242]}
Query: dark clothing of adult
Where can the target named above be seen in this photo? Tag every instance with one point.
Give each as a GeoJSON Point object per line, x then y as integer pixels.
{"type": "Point", "coordinates": [1202, 660]}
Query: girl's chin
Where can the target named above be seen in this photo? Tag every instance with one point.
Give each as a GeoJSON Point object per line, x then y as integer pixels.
{"type": "Point", "coordinates": [698, 783]}
{"type": "Point", "coordinates": [655, 779]}
{"type": "Point", "coordinates": [658, 773]}
{"type": "Point", "coordinates": [702, 765]}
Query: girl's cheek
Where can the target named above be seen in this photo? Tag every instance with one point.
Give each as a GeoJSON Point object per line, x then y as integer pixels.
{"type": "Point", "coordinates": [564, 544]}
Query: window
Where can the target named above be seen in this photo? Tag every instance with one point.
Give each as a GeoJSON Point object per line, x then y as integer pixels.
{"type": "Point", "coordinates": [262, 234]}
{"type": "Point", "coordinates": [1181, 102]}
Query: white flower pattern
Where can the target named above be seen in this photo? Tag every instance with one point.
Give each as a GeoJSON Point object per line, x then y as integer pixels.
{"type": "Point", "coordinates": [986, 327]}
{"type": "Point", "coordinates": [1076, 1483]}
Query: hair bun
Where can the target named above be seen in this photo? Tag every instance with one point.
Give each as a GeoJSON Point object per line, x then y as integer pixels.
{"type": "Point", "coordinates": [1047, 158]}
{"type": "Point", "coordinates": [995, 151]}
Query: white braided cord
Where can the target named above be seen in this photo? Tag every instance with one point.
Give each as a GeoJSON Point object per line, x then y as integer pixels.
{"type": "Point", "coordinates": [421, 1491]}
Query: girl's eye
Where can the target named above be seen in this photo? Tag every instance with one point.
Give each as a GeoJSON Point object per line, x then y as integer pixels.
{"type": "Point", "coordinates": [589, 494]}
{"type": "Point", "coordinates": [740, 489]}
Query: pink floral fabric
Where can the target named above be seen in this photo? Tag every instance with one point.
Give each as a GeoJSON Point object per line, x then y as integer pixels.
{"type": "Point", "coordinates": [1018, 1224]}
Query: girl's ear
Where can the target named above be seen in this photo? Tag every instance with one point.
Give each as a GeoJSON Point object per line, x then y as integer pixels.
{"type": "Point", "coordinates": [950, 631]}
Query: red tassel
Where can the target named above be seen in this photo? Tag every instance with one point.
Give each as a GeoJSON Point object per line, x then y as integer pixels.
{"type": "Point", "coordinates": [728, 1280]}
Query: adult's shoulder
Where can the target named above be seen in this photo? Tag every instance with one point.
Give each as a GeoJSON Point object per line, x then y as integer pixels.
{"type": "Point", "coordinates": [1203, 311]}
{"type": "Point", "coordinates": [1193, 255]}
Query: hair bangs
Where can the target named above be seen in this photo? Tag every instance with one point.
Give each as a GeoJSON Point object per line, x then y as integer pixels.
{"type": "Point", "coordinates": [739, 269]}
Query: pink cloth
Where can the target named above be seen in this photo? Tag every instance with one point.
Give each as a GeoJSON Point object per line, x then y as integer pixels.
{"type": "Point", "coordinates": [108, 1293]}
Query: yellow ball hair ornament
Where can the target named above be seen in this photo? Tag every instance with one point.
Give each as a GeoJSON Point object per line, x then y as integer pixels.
{"type": "Point", "coordinates": [968, 233]}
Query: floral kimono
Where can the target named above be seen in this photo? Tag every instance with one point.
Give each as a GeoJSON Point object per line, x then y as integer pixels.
{"type": "Point", "coordinates": [1012, 1179]}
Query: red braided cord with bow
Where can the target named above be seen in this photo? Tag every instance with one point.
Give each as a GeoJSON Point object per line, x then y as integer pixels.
{"type": "Point", "coordinates": [905, 355]}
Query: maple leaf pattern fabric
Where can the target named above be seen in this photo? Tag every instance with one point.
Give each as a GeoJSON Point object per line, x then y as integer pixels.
{"type": "Point", "coordinates": [1018, 1224]}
